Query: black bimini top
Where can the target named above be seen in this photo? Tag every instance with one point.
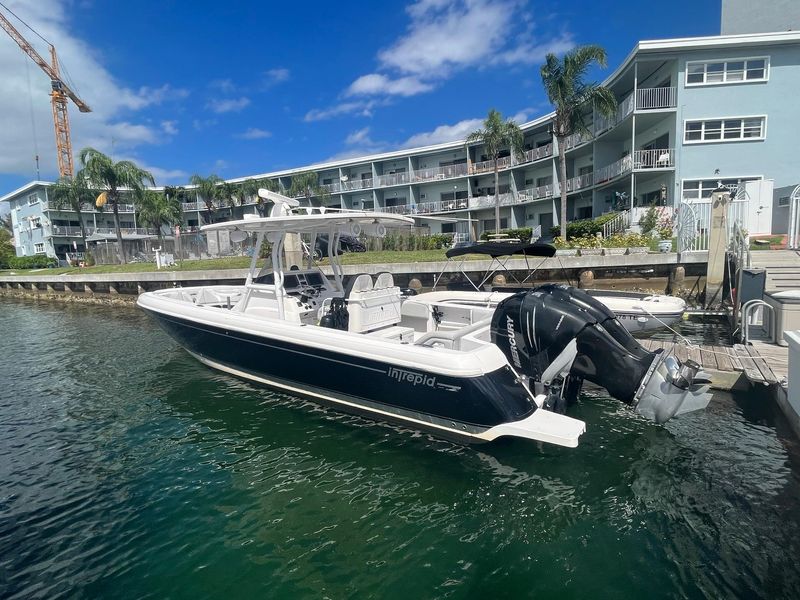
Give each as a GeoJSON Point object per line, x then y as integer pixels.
{"type": "Point", "coordinates": [495, 249]}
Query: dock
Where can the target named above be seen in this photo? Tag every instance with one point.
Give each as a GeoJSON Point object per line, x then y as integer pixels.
{"type": "Point", "coordinates": [735, 367]}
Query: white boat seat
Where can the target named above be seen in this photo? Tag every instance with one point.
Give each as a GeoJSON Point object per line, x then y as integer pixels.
{"type": "Point", "coordinates": [384, 280]}
{"type": "Point", "coordinates": [372, 308]}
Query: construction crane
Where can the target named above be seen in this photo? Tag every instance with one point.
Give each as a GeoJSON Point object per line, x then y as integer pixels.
{"type": "Point", "coordinates": [60, 91]}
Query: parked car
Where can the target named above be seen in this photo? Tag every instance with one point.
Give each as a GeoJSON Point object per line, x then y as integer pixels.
{"type": "Point", "coordinates": [347, 243]}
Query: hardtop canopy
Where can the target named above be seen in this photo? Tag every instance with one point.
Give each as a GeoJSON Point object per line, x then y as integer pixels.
{"type": "Point", "coordinates": [299, 223]}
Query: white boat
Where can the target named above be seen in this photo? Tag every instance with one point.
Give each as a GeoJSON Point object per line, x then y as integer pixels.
{"type": "Point", "coordinates": [636, 311]}
{"type": "Point", "coordinates": [361, 349]}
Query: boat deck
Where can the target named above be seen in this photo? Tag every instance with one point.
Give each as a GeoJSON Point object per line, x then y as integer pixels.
{"type": "Point", "coordinates": [760, 363]}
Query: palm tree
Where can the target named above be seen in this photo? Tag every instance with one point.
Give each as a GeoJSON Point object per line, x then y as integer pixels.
{"type": "Point", "coordinates": [495, 136]}
{"type": "Point", "coordinates": [73, 193]}
{"type": "Point", "coordinates": [572, 97]}
{"type": "Point", "coordinates": [158, 210]}
{"type": "Point", "coordinates": [268, 184]}
{"type": "Point", "coordinates": [229, 193]}
{"type": "Point", "coordinates": [103, 173]}
{"type": "Point", "coordinates": [206, 188]}
{"type": "Point", "coordinates": [306, 185]}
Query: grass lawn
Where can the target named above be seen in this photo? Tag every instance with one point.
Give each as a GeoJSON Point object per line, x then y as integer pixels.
{"type": "Point", "coordinates": [240, 262]}
{"type": "Point", "coordinates": [765, 242]}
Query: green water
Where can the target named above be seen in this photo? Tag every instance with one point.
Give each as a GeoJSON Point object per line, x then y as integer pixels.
{"type": "Point", "coordinates": [128, 470]}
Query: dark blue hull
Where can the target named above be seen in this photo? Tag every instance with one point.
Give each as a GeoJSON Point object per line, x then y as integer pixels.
{"type": "Point", "coordinates": [452, 407]}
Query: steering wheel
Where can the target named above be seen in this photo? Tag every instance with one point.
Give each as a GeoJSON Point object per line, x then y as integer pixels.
{"type": "Point", "coordinates": [309, 292]}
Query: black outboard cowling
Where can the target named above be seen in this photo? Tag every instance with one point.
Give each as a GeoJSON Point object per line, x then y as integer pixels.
{"type": "Point", "coordinates": [559, 336]}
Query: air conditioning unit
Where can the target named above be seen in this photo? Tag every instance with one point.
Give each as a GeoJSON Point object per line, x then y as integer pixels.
{"type": "Point", "coordinates": [422, 196]}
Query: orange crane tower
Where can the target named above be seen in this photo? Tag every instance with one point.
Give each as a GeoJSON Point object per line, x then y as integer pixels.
{"type": "Point", "coordinates": [58, 97]}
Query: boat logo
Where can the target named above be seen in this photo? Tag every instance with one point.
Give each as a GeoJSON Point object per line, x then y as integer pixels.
{"type": "Point", "coordinates": [415, 379]}
{"type": "Point", "coordinates": [512, 341]}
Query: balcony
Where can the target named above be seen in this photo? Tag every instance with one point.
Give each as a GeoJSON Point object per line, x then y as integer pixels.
{"type": "Point", "coordinates": [580, 182]}
{"type": "Point", "coordinates": [438, 173]}
{"type": "Point", "coordinates": [89, 207]}
{"type": "Point", "coordinates": [126, 231]}
{"type": "Point", "coordinates": [538, 153]}
{"type": "Point", "coordinates": [392, 179]}
{"type": "Point", "coordinates": [542, 192]}
{"type": "Point", "coordinates": [65, 231]}
{"type": "Point", "coordinates": [615, 169]}
{"type": "Point", "coordinates": [577, 139]}
{"type": "Point", "coordinates": [663, 158]}
{"type": "Point", "coordinates": [655, 98]}
{"type": "Point", "coordinates": [624, 109]}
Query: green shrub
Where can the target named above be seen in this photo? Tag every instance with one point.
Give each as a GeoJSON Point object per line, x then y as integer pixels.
{"type": "Point", "coordinates": [649, 220]}
{"type": "Point", "coordinates": [39, 261]}
{"type": "Point", "coordinates": [523, 234]}
{"type": "Point", "coordinates": [584, 227]}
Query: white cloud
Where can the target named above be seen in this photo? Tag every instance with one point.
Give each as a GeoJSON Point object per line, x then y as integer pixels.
{"type": "Point", "coordinates": [361, 108]}
{"type": "Point", "coordinates": [254, 133]}
{"type": "Point", "coordinates": [225, 86]}
{"type": "Point", "coordinates": [226, 105]}
{"type": "Point", "coordinates": [111, 126]}
{"type": "Point", "coordinates": [378, 84]}
{"type": "Point", "coordinates": [444, 133]}
{"type": "Point", "coordinates": [278, 75]}
{"type": "Point", "coordinates": [169, 127]}
{"type": "Point", "coordinates": [201, 124]}
{"type": "Point", "coordinates": [444, 37]}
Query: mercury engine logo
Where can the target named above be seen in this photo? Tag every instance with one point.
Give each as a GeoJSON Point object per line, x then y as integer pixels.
{"type": "Point", "coordinates": [512, 342]}
{"type": "Point", "coordinates": [415, 379]}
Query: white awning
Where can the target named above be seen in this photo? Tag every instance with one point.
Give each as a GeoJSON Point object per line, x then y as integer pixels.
{"type": "Point", "coordinates": [362, 220]}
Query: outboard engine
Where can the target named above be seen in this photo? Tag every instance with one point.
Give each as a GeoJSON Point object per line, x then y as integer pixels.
{"type": "Point", "coordinates": [559, 336]}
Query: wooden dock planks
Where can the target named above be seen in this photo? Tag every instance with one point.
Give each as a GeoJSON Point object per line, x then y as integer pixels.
{"type": "Point", "coordinates": [751, 370]}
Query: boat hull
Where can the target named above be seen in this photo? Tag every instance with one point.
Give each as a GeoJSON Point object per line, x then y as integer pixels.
{"type": "Point", "coordinates": [457, 408]}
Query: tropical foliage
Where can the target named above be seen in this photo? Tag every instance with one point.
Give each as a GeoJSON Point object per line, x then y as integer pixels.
{"type": "Point", "coordinates": [102, 173]}
{"type": "Point", "coordinates": [573, 99]}
{"type": "Point", "coordinates": [496, 136]}
{"type": "Point", "coordinates": [73, 193]}
{"type": "Point", "coordinates": [306, 185]}
{"type": "Point", "coordinates": [158, 210]}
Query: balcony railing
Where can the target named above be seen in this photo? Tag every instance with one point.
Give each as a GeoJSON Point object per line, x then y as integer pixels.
{"type": "Point", "coordinates": [66, 230]}
{"type": "Point", "coordinates": [580, 182]}
{"type": "Point", "coordinates": [124, 230]}
{"type": "Point", "coordinates": [538, 153]}
{"type": "Point", "coordinates": [577, 139]}
{"type": "Point", "coordinates": [660, 97]}
{"type": "Point", "coordinates": [615, 169]}
{"type": "Point", "coordinates": [436, 173]}
{"type": "Point", "coordinates": [392, 179]}
{"type": "Point", "coordinates": [662, 158]}
{"type": "Point", "coordinates": [536, 193]}
{"type": "Point", "coordinates": [90, 207]}
{"type": "Point", "coordinates": [624, 108]}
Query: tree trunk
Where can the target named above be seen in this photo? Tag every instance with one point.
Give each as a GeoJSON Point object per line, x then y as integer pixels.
{"type": "Point", "coordinates": [83, 232]}
{"type": "Point", "coordinates": [562, 186]}
{"type": "Point", "coordinates": [121, 248]}
{"type": "Point", "coordinates": [496, 198]}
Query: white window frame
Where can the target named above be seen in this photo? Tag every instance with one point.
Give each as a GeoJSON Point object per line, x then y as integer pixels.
{"type": "Point", "coordinates": [783, 201]}
{"type": "Point", "coordinates": [35, 199]}
{"type": "Point", "coordinates": [725, 80]}
{"type": "Point", "coordinates": [36, 222]}
{"type": "Point", "coordinates": [721, 139]}
{"type": "Point", "coordinates": [36, 248]}
{"type": "Point", "coordinates": [738, 178]}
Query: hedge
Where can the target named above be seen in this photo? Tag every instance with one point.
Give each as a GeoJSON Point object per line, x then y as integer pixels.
{"type": "Point", "coordinates": [40, 261]}
{"type": "Point", "coordinates": [584, 227]}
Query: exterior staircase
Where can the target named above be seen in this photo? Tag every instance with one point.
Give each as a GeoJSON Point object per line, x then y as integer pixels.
{"type": "Point", "coordinates": [783, 268]}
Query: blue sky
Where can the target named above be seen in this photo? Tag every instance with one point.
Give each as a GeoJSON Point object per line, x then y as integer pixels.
{"type": "Point", "coordinates": [240, 88]}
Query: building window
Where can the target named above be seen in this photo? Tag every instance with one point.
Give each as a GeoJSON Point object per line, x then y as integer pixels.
{"type": "Point", "coordinates": [727, 71]}
{"type": "Point", "coordinates": [488, 224]}
{"type": "Point", "coordinates": [36, 221]}
{"type": "Point", "coordinates": [783, 201]}
{"type": "Point", "coordinates": [38, 248]}
{"type": "Point", "coordinates": [725, 130]}
{"type": "Point", "coordinates": [701, 189]}
{"type": "Point", "coordinates": [33, 199]}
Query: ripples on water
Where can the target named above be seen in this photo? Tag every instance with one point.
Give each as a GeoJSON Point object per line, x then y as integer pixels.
{"type": "Point", "coordinates": [129, 470]}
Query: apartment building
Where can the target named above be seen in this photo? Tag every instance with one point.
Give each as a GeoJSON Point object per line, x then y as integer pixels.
{"type": "Point", "coordinates": [692, 112]}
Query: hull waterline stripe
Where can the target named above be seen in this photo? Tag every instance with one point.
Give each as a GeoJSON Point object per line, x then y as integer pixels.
{"type": "Point", "coordinates": [358, 407]}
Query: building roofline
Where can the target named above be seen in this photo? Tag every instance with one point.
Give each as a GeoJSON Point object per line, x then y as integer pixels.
{"type": "Point", "coordinates": [28, 186]}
